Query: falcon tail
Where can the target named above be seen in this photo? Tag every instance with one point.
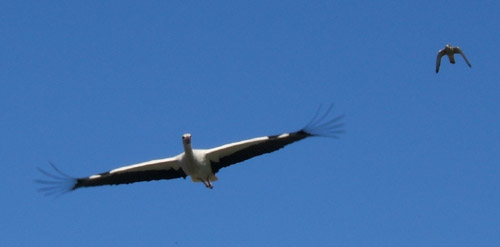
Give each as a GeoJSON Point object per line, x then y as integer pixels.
{"type": "Point", "coordinates": [452, 59]}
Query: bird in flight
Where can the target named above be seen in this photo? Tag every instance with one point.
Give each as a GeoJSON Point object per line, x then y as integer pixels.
{"type": "Point", "coordinates": [450, 52]}
{"type": "Point", "coordinates": [199, 164]}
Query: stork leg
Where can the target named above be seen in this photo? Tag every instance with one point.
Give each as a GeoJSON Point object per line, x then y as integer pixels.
{"type": "Point", "coordinates": [207, 183]}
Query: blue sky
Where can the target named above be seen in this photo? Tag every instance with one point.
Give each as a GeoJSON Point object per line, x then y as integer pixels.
{"type": "Point", "coordinates": [95, 85]}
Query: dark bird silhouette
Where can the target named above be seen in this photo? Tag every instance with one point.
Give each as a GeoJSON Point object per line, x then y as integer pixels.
{"type": "Point", "coordinates": [450, 52]}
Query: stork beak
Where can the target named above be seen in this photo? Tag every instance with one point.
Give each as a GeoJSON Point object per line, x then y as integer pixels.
{"type": "Point", "coordinates": [187, 139]}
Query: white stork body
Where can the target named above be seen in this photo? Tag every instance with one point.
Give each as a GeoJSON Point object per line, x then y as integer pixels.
{"type": "Point", "coordinates": [200, 164]}
{"type": "Point", "coordinates": [195, 163]}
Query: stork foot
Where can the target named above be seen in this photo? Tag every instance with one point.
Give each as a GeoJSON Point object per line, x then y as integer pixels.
{"type": "Point", "coordinates": [207, 183]}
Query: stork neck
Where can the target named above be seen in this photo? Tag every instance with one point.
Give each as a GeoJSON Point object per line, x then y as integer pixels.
{"type": "Point", "coordinates": [188, 150]}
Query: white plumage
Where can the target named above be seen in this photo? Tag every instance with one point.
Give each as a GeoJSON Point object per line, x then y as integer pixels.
{"type": "Point", "coordinates": [200, 164]}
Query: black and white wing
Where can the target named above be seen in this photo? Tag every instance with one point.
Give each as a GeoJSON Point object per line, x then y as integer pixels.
{"type": "Point", "coordinates": [458, 50]}
{"type": "Point", "coordinates": [168, 168]}
{"type": "Point", "coordinates": [236, 152]}
{"type": "Point", "coordinates": [440, 54]}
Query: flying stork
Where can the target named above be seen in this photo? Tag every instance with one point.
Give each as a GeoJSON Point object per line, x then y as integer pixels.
{"type": "Point", "coordinates": [199, 164]}
{"type": "Point", "coordinates": [450, 52]}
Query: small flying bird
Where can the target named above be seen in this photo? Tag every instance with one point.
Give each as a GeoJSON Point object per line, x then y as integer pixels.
{"type": "Point", "coordinates": [450, 52]}
{"type": "Point", "coordinates": [199, 164]}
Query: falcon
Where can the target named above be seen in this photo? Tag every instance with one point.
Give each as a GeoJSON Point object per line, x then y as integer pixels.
{"type": "Point", "coordinates": [450, 51]}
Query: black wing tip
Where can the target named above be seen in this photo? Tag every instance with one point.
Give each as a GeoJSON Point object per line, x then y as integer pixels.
{"type": "Point", "coordinates": [56, 183]}
{"type": "Point", "coordinates": [322, 124]}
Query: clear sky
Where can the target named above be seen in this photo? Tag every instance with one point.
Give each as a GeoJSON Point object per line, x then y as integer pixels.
{"type": "Point", "coordinates": [95, 85]}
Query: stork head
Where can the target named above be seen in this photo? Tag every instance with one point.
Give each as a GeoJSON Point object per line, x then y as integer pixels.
{"type": "Point", "coordinates": [186, 139]}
